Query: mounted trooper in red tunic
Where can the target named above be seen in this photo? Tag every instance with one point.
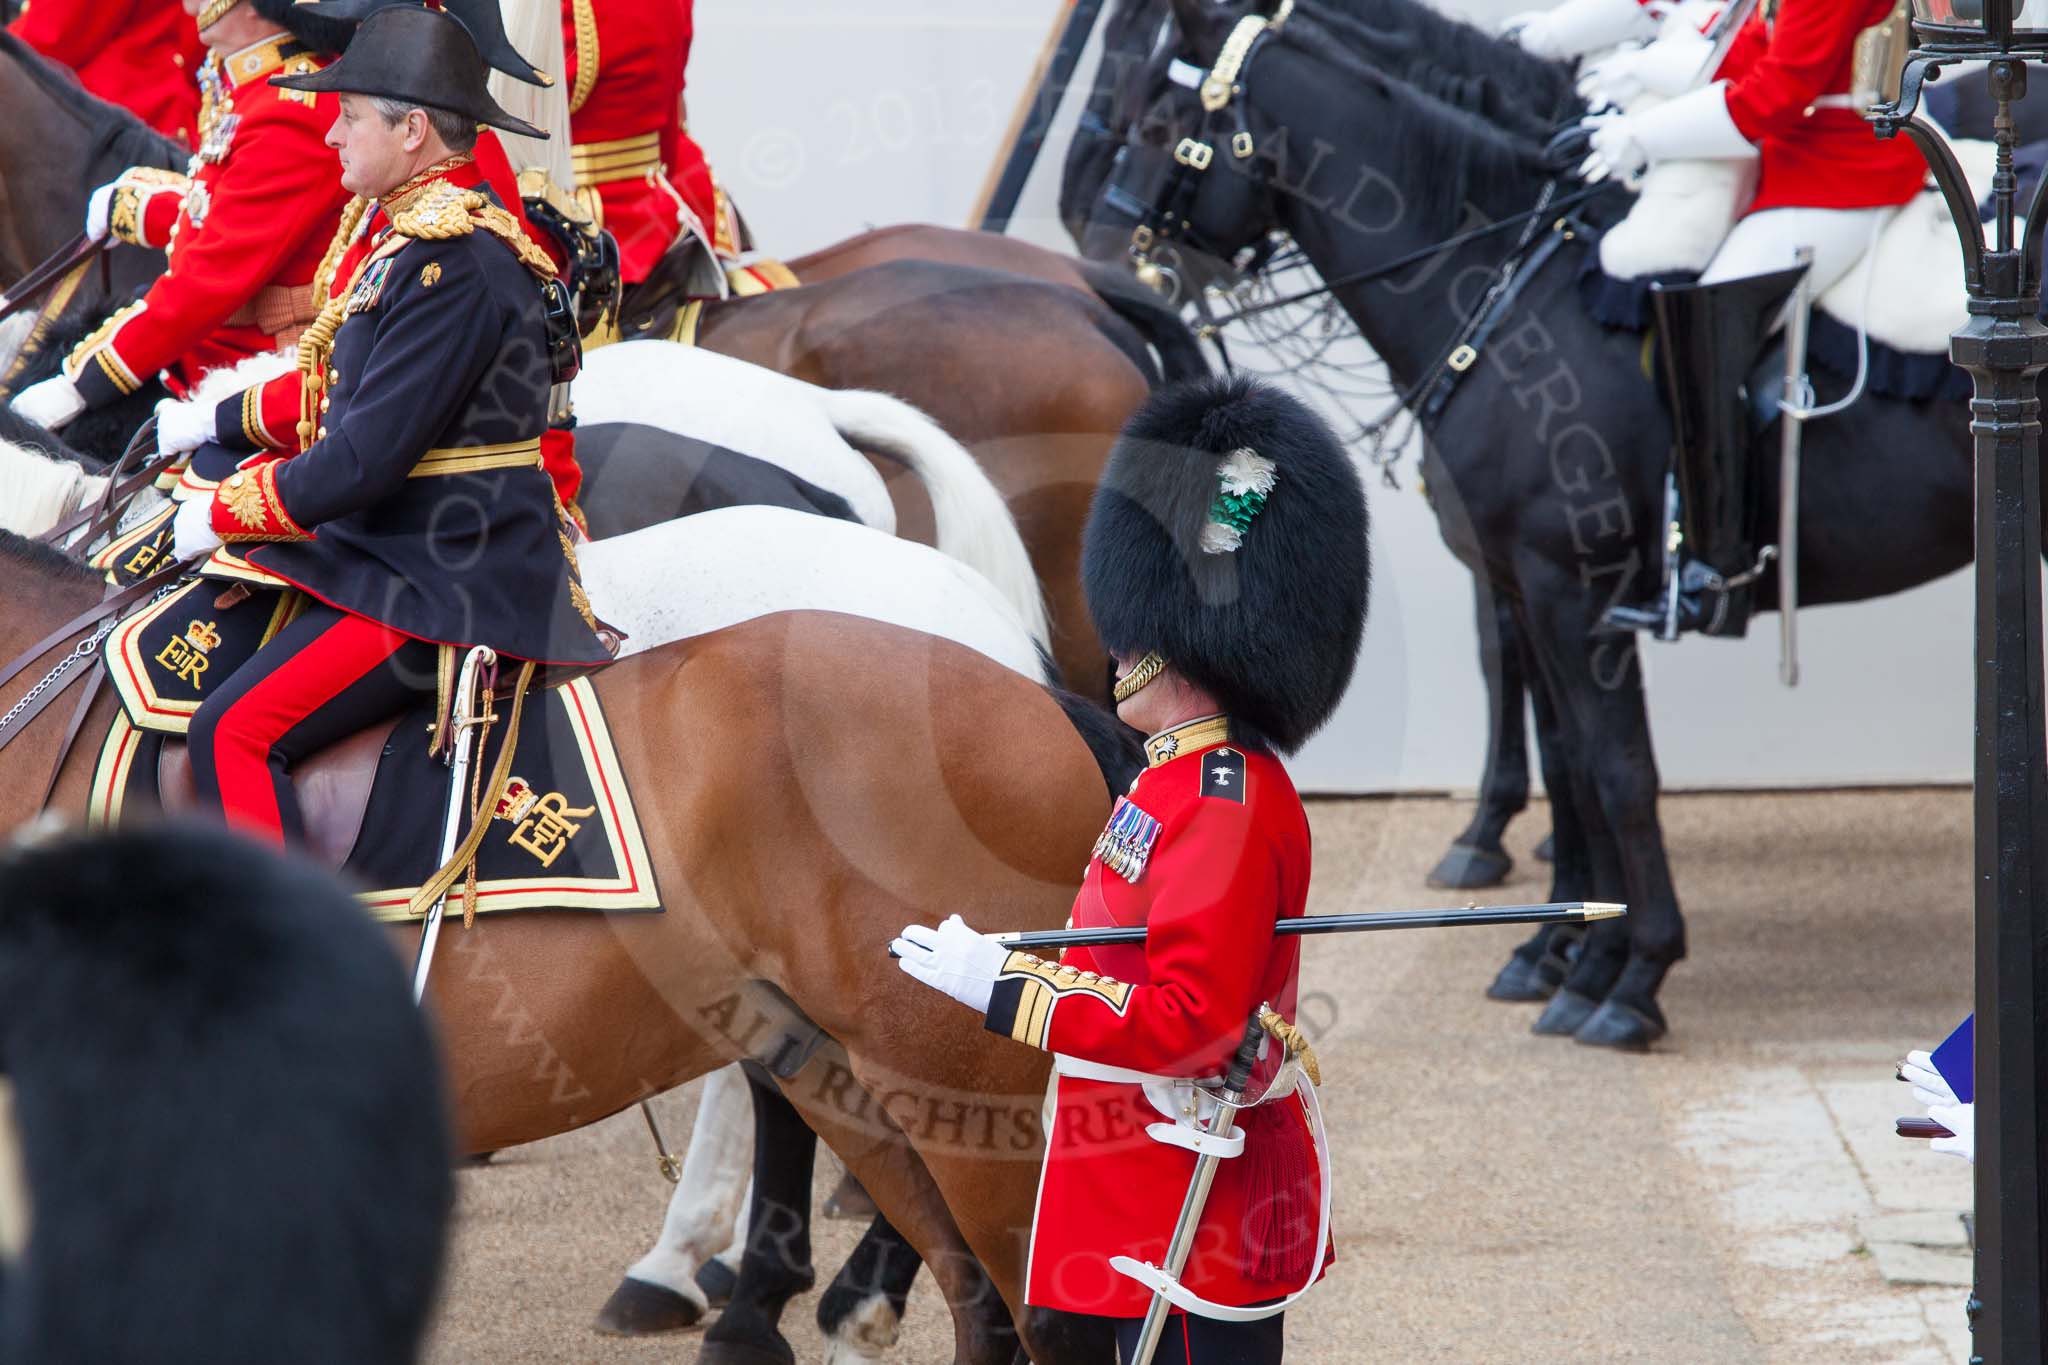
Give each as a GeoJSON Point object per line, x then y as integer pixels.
{"type": "Point", "coordinates": [243, 230]}
{"type": "Point", "coordinates": [418, 514]}
{"type": "Point", "coordinates": [1226, 566]}
{"type": "Point", "coordinates": [1783, 96]}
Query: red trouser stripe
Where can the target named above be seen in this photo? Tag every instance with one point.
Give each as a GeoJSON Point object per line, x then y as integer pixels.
{"type": "Point", "coordinates": [296, 688]}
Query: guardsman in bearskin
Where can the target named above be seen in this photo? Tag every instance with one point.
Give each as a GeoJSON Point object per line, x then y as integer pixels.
{"type": "Point", "coordinates": [638, 170]}
{"type": "Point", "coordinates": [1225, 565]}
{"type": "Point", "coordinates": [143, 55]}
{"type": "Point", "coordinates": [243, 231]}
{"type": "Point", "coordinates": [419, 514]}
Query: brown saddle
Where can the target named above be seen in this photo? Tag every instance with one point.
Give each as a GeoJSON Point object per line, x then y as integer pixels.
{"type": "Point", "coordinates": [333, 788]}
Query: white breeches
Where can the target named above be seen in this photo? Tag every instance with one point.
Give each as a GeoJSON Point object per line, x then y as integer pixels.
{"type": "Point", "coordinates": [1771, 240]}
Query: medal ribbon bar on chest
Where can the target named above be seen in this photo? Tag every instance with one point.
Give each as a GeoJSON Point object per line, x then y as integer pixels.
{"type": "Point", "coordinates": [1126, 843]}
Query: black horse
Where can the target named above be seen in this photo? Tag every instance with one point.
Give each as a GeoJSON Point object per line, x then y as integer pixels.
{"type": "Point", "coordinates": [1546, 466]}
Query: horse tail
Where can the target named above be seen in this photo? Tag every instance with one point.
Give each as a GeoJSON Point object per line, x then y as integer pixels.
{"type": "Point", "coordinates": [974, 525]}
{"type": "Point", "coordinates": [1114, 744]}
{"type": "Point", "coordinates": [1180, 355]}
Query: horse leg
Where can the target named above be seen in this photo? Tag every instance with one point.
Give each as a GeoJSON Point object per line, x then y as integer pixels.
{"type": "Point", "coordinates": [835, 1095]}
{"type": "Point", "coordinates": [660, 1292]}
{"type": "Point", "coordinates": [1476, 858]}
{"type": "Point", "coordinates": [776, 1265]}
{"type": "Point", "coordinates": [1597, 681]}
{"type": "Point", "coordinates": [1539, 965]}
{"type": "Point", "coordinates": [861, 1313]}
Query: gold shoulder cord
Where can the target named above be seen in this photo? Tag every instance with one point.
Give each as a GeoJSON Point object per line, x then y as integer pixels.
{"type": "Point", "coordinates": [586, 53]}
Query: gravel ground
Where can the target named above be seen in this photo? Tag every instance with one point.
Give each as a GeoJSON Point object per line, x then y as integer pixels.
{"type": "Point", "coordinates": [1500, 1197]}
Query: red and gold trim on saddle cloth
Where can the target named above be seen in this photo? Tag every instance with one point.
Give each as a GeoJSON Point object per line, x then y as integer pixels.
{"type": "Point", "coordinates": [168, 658]}
{"type": "Point", "coordinates": [567, 840]}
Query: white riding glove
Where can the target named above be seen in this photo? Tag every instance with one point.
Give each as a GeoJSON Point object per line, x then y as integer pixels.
{"type": "Point", "coordinates": [183, 426]}
{"type": "Point", "coordinates": [1960, 1119]}
{"type": "Point", "coordinates": [99, 211]}
{"type": "Point", "coordinates": [1665, 68]}
{"type": "Point", "coordinates": [1929, 1086]}
{"type": "Point", "coordinates": [952, 958]}
{"type": "Point", "coordinates": [192, 534]}
{"type": "Point", "coordinates": [51, 402]}
{"type": "Point", "coordinates": [1694, 127]}
{"type": "Point", "coordinates": [1577, 27]}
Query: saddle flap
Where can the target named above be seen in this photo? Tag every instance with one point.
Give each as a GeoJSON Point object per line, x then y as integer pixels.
{"type": "Point", "coordinates": [333, 788]}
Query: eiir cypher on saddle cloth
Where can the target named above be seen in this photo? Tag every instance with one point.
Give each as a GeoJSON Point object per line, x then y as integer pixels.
{"type": "Point", "coordinates": [1225, 566]}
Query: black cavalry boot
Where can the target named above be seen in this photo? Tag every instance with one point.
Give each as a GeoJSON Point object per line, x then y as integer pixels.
{"type": "Point", "coordinates": [1710, 337]}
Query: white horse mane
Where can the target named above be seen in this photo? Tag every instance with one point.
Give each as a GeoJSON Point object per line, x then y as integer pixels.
{"type": "Point", "coordinates": [38, 490]}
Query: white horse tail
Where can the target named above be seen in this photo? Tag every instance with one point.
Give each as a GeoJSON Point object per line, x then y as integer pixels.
{"type": "Point", "coordinates": [973, 523]}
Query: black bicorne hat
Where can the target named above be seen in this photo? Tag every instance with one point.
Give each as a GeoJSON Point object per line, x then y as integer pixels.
{"type": "Point", "coordinates": [304, 22]}
{"type": "Point", "coordinates": [1229, 535]}
{"type": "Point", "coordinates": [409, 52]}
{"type": "Point", "coordinates": [483, 19]}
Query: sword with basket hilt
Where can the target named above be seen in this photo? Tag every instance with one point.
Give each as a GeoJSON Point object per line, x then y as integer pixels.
{"type": "Point", "coordinates": [468, 711]}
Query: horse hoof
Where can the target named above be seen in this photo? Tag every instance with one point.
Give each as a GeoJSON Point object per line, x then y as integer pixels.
{"type": "Point", "coordinates": [1524, 982]}
{"type": "Point", "coordinates": [1469, 868]}
{"type": "Point", "coordinates": [1566, 1013]}
{"type": "Point", "coordinates": [776, 1352]}
{"type": "Point", "coordinates": [717, 1279]}
{"type": "Point", "coordinates": [1622, 1027]}
{"type": "Point", "coordinates": [849, 1200]}
{"type": "Point", "coordinates": [639, 1309]}
{"type": "Point", "coordinates": [1546, 852]}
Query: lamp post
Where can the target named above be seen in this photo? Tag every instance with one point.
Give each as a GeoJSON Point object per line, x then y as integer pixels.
{"type": "Point", "coordinates": [2004, 346]}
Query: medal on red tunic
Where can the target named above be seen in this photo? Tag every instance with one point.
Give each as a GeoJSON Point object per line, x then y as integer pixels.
{"type": "Point", "coordinates": [1127, 842]}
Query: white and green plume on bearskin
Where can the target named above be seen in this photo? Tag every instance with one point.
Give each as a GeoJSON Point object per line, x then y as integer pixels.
{"type": "Point", "coordinates": [1229, 535]}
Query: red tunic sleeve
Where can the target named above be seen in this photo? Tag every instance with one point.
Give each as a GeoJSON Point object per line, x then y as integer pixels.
{"type": "Point", "coordinates": [278, 189]}
{"type": "Point", "coordinates": [1215, 898]}
{"type": "Point", "coordinates": [1811, 47]}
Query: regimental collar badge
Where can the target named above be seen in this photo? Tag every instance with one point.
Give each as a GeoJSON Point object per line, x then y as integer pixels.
{"type": "Point", "coordinates": [1126, 843]}
{"type": "Point", "coordinates": [1186, 738]}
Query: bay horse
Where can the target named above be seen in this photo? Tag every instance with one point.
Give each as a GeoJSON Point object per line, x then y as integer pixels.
{"type": "Point", "coordinates": [1546, 468]}
{"type": "Point", "coordinates": [841, 781]}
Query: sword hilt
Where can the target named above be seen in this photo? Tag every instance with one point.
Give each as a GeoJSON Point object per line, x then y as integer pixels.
{"type": "Point", "coordinates": [1239, 1078]}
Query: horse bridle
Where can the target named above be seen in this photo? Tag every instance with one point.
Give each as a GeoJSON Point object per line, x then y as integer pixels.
{"type": "Point", "coordinates": [1219, 90]}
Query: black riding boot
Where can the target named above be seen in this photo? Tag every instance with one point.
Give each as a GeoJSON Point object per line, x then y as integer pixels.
{"type": "Point", "coordinates": [1710, 337]}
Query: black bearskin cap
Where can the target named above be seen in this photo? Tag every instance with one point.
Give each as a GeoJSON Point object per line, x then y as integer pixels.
{"type": "Point", "coordinates": [315, 31]}
{"type": "Point", "coordinates": [1270, 627]}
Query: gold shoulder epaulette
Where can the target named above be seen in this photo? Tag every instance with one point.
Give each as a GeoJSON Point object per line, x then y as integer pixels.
{"type": "Point", "coordinates": [441, 212]}
{"type": "Point", "coordinates": [502, 225]}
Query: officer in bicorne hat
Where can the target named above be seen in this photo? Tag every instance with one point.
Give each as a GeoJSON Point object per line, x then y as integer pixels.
{"type": "Point", "coordinates": [418, 515]}
{"type": "Point", "coordinates": [1225, 564]}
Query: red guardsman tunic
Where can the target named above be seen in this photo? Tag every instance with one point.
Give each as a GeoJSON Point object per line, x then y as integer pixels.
{"type": "Point", "coordinates": [1787, 79]}
{"type": "Point", "coordinates": [1210, 849]}
{"type": "Point", "coordinates": [637, 168]}
{"type": "Point", "coordinates": [244, 232]}
{"type": "Point", "coordinates": [141, 54]}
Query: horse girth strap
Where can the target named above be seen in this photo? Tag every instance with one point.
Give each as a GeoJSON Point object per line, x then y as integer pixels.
{"type": "Point", "coordinates": [443, 881]}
